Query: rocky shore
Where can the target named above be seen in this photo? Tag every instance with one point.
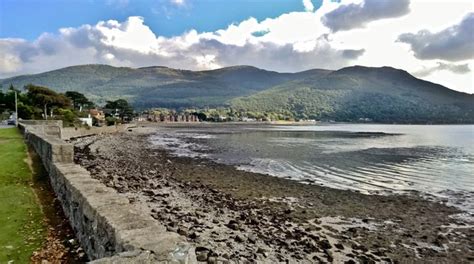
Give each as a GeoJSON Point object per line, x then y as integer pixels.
{"type": "Point", "coordinates": [233, 216]}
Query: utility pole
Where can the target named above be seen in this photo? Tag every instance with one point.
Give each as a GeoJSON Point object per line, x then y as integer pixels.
{"type": "Point", "coordinates": [16, 108]}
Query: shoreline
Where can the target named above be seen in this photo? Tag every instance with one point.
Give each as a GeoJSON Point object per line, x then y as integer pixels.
{"type": "Point", "coordinates": [290, 123]}
{"type": "Point", "coordinates": [238, 215]}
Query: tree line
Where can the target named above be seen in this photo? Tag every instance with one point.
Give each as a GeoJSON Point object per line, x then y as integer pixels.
{"type": "Point", "coordinates": [38, 102]}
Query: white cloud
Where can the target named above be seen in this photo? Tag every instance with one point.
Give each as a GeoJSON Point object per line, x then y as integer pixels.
{"type": "Point", "coordinates": [463, 82]}
{"type": "Point", "coordinates": [378, 38]}
{"type": "Point", "coordinates": [9, 63]}
{"type": "Point", "coordinates": [285, 47]}
{"type": "Point", "coordinates": [454, 68]}
{"type": "Point", "coordinates": [350, 15]}
{"type": "Point", "coordinates": [178, 2]}
{"type": "Point", "coordinates": [290, 42]}
{"type": "Point", "coordinates": [455, 43]}
{"type": "Point", "coordinates": [308, 5]}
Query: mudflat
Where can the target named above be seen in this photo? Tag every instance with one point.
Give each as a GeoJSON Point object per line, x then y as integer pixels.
{"type": "Point", "coordinates": [236, 216]}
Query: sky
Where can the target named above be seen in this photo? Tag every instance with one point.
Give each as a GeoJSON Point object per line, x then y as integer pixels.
{"type": "Point", "coordinates": [431, 39]}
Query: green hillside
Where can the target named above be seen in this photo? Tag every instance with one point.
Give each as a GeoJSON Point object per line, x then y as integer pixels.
{"type": "Point", "coordinates": [380, 94]}
{"type": "Point", "coordinates": [76, 78]}
{"type": "Point", "coordinates": [159, 86]}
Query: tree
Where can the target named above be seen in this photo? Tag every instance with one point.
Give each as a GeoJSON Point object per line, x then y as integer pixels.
{"type": "Point", "coordinates": [7, 100]}
{"type": "Point", "coordinates": [44, 98]}
{"type": "Point", "coordinates": [120, 107]}
{"type": "Point", "coordinates": [25, 111]}
{"type": "Point", "coordinates": [2, 100]}
{"type": "Point", "coordinates": [68, 116]}
{"type": "Point", "coordinates": [11, 88]}
{"type": "Point", "coordinates": [79, 100]}
{"type": "Point", "coordinates": [3, 105]}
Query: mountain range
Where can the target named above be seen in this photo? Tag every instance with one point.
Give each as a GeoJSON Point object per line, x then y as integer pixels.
{"type": "Point", "coordinates": [382, 94]}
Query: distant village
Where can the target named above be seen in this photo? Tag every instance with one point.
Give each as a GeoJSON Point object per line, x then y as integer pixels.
{"type": "Point", "coordinates": [171, 117]}
{"type": "Point", "coordinates": [75, 109]}
{"type": "Point", "coordinates": [97, 117]}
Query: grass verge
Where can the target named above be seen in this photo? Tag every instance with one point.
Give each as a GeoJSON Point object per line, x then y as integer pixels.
{"type": "Point", "coordinates": [21, 219]}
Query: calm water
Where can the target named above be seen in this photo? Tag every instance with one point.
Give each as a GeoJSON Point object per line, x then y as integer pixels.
{"type": "Point", "coordinates": [435, 161]}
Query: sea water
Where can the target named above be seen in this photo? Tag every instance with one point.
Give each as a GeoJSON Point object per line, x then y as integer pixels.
{"type": "Point", "coordinates": [435, 161]}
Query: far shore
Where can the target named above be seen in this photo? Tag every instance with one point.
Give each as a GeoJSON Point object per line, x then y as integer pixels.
{"type": "Point", "coordinates": [291, 123]}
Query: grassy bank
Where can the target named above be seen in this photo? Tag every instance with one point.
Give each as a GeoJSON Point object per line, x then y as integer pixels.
{"type": "Point", "coordinates": [21, 218]}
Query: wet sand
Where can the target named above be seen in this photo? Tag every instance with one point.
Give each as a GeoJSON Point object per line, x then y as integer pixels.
{"type": "Point", "coordinates": [237, 216]}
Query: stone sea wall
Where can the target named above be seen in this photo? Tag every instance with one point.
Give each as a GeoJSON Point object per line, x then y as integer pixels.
{"type": "Point", "coordinates": [48, 127]}
{"type": "Point", "coordinates": [108, 227]}
{"type": "Point", "coordinates": [74, 132]}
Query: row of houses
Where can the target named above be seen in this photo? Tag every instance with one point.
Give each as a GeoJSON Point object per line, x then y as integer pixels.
{"type": "Point", "coordinates": [95, 117]}
{"type": "Point", "coordinates": [184, 118]}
